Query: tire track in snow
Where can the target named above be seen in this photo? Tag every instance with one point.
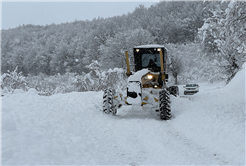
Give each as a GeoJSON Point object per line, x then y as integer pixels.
{"type": "Point", "coordinates": [150, 148]}
{"type": "Point", "coordinates": [201, 152]}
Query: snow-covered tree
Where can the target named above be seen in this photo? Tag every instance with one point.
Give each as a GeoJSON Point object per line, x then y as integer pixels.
{"type": "Point", "coordinates": [113, 52]}
{"type": "Point", "coordinates": [176, 67]}
{"type": "Point", "coordinates": [225, 32]}
{"type": "Point", "coordinates": [13, 80]}
{"type": "Point", "coordinates": [69, 47]}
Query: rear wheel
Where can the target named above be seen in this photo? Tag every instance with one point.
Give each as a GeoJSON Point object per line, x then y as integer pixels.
{"type": "Point", "coordinates": [108, 101]}
{"type": "Point", "coordinates": [165, 105]}
{"type": "Point", "coordinates": [174, 90]}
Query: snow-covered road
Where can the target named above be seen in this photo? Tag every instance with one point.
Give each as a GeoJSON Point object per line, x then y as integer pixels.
{"type": "Point", "coordinates": [206, 129]}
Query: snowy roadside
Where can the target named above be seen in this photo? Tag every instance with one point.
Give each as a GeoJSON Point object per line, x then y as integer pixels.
{"type": "Point", "coordinates": [214, 121]}
{"type": "Point", "coordinates": [219, 111]}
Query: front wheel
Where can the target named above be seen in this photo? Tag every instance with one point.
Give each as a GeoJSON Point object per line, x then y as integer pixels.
{"type": "Point", "coordinates": [108, 101]}
{"type": "Point", "coordinates": [165, 105]}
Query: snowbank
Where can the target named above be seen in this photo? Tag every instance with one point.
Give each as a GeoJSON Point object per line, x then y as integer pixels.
{"type": "Point", "coordinates": [237, 84]}
{"type": "Point", "coordinates": [138, 75]}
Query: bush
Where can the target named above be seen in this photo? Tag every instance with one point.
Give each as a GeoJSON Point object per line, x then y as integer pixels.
{"type": "Point", "coordinates": [95, 80]}
{"type": "Point", "coordinates": [13, 80]}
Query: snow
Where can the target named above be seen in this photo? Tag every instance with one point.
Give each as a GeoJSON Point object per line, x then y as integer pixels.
{"type": "Point", "coordinates": [237, 85]}
{"type": "Point", "coordinates": [231, 4]}
{"type": "Point", "coordinates": [207, 128]}
{"type": "Point", "coordinates": [138, 75]}
{"type": "Point", "coordinates": [150, 46]}
{"type": "Point", "coordinates": [3, 77]}
{"type": "Point", "coordinates": [118, 70]}
{"type": "Point", "coordinates": [32, 91]}
{"type": "Point", "coordinates": [134, 87]}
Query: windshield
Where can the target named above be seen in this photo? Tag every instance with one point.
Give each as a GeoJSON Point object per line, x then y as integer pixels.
{"type": "Point", "coordinates": [191, 85]}
{"type": "Point", "coordinates": [149, 60]}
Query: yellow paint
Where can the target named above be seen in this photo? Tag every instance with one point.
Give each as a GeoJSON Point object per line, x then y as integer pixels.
{"type": "Point", "coordinates": [128, 73]}
{"type": "Point", "coordinates": [156, 99]}
{"type": "Point", "coordinates": [115, 97]}
{"type": "Point", "coordinates": [162, 67]}
{"type": "Point", "coordinates": [143, 103]}
{"type": "Point", "coordinates": [120, 96]}
{"type": "Point", "coordinates": [145, 81]}
{"type": "Point", "coordinates": [146, 98]}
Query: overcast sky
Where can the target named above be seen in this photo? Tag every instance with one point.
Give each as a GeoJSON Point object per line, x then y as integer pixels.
{"type": "Point", "coordinates": [17, 13]}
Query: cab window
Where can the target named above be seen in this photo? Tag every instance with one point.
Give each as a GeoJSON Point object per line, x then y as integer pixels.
{"type": "Point", "coordinates": [148, 59]}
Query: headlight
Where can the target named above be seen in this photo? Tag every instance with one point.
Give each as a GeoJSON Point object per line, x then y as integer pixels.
{"type": "Point", "coordinates": [149, 77]}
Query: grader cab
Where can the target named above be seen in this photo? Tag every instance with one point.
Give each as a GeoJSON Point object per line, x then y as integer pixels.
{"type": "Point", "coordinates": [146, 86]}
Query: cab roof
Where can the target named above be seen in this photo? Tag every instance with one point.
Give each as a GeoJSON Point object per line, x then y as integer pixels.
{"type": "Point", "coordinates": [150, 46]}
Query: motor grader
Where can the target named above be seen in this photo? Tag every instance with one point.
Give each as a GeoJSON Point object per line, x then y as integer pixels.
{"type": "Point", "coordinates": [146, 86]}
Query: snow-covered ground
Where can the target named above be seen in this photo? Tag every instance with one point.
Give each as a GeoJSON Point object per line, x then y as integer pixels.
{"type": "Point", "coordinates": [207, 128]}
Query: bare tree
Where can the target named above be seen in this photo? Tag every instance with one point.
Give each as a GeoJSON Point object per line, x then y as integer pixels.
{"type": "Point", "coordinates": [176, 67]}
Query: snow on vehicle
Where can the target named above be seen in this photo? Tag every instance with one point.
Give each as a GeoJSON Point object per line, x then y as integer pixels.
{"type": "Point", "coordinates": [147, 86]}
{"type": "Point", "coordinates": [191, 89]}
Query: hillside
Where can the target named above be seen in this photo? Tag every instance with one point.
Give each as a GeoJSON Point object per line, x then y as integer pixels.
{"type": "Point", "coordinates": [69, 47]}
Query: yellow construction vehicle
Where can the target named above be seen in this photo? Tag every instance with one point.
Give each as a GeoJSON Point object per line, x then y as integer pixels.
{"type": "Point", "coordinates": [147, 85]}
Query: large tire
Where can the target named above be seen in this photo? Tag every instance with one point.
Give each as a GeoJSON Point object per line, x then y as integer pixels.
{"type": "Point", "coordinates": [165, 105]}
{"type": "Point", "coordinates": [108, 101]}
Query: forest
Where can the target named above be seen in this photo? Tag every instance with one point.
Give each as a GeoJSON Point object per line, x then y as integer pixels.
{"type": "Point", "coordinates": [206, 40]}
